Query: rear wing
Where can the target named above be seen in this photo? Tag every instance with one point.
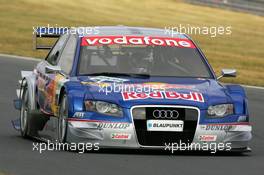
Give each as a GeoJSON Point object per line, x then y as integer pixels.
{"type": "Point", "coordinates": [46, 32]}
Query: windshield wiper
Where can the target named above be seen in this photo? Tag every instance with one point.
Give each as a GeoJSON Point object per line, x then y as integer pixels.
{"type": "Point", "coordinates": [114, 74]}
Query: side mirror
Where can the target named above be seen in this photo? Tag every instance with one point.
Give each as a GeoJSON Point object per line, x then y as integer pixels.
{"type": "Point", "coordinates": [227, 73]}
{"type": "Point", "coordinates": [52, 69]}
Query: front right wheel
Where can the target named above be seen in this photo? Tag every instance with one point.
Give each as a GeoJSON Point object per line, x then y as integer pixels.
{"type": "Point", "coordinates": [25, 114]}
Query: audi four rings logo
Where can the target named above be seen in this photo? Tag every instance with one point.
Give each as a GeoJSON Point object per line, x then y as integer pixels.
{"type": "Point", "coordinates": [172, 114]}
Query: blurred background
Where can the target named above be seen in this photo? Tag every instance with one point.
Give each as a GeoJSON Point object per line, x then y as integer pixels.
{"type": "Point", "coordinates": [242, 49]}
{"type": "Point", "coordinates": [250, 6]}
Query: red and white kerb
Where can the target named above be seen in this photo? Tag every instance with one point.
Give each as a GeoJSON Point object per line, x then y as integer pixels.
{"type": "Point", "coordinates": [136, 40]}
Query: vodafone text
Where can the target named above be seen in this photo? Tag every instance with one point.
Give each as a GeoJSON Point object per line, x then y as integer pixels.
{"type": "Point", "coordinates": [137, 40]}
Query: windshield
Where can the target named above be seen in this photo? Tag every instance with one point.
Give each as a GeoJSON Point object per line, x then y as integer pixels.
{"type": "Point", "coordinates": [178, 60]}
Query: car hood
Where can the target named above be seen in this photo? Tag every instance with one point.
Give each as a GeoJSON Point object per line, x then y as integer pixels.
{"type": "Point", "coordinates": [128, 92]}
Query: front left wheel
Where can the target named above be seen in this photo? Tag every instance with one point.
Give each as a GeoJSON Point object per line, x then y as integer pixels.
{"type": "Point", "coordinates": [62, 120]}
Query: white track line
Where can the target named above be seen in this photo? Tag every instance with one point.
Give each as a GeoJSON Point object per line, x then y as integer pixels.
{"type": "Point", "coordinates": [35, 59]}
{"type": "Point", "coordinates": [253, 87]}
{"type": "Point", "coordinates": [19, 57]}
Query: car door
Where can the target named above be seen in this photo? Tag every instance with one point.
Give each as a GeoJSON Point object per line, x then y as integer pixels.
{"type": "Point", "coordinates": [46, 75]}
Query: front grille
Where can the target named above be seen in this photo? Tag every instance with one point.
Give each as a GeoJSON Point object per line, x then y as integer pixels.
{"type": "Point", "coordinates": [159, 138]}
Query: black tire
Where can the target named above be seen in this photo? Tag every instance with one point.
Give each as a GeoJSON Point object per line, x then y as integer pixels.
{"type": "Point", "coordinates": [62, 120]}
{"type": "Point", "coordinates": [25, 114]}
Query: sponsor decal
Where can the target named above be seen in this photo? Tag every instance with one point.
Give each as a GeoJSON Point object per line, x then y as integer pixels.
{"type": "Point", "coordinates": [91, 83]}
{"type": "Point", "coordinates": [217, 127]}
{"type": "Point", "coordinates": [226, 127]}
{"type": "Point", "coordinates": [51, 89]}
{"type": "Point", "coordinates": [113, 125]}
{"type": "Point", "coordinates": [136, 40]}
{"type": "Point", "coordinates": [207, 138]}
{"type": "Point", "coordinates": [120, 136]}
{"type": "Point", "coordinates": [171, 95]}
{"type": "Point", "coordinates": [166, 86]}
{"type": "Point", "coordinates": [242, 118]}
{"type": "Point", "coordinates": [78, 114]}
{"type": "Point", "coordinates": [100, 79]}
{"type": "Point", "coordinates": [154, 86]}
{"type": "Point", "coordinates": [165, 125]}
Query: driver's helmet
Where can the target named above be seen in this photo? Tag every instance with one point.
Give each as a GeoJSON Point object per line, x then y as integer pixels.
{"type": "Point", "coordinates": [140, 59]}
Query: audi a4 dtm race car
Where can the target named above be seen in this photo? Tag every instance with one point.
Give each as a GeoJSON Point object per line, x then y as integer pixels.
{"type": "Point", "coordinates": [131, 87]}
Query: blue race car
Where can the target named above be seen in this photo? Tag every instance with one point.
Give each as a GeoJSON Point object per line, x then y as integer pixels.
{"type": "Point", "coordinates": [132, 87]}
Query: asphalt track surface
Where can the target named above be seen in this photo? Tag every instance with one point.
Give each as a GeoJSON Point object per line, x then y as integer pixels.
{"type": "Point", "coordinates": [17, 157]}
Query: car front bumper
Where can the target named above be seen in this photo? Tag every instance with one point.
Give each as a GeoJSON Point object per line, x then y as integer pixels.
{"type": "Point", "coordinates": [220, 136]}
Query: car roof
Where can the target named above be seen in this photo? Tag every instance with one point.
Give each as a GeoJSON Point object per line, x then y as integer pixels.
{"type": "Point", "coordinates": [128, 31]}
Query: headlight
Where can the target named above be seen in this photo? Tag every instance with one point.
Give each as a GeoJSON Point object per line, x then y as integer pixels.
{"type": "Point", "coordinates": [219, 111]}
{"type": "Point", "coordinates": [103, 108]}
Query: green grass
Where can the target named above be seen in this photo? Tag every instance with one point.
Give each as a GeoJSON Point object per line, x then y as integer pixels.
{"type": "Point", "coordinates": [242, 50]}
{"type": "Point", "coordinates": [2, 173]}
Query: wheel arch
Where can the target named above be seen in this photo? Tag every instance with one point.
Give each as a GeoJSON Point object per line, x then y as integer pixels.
{"type": "Point", "coordinates": [239, 97]}
{"type": "Point", "coordinates": [75, 95]}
